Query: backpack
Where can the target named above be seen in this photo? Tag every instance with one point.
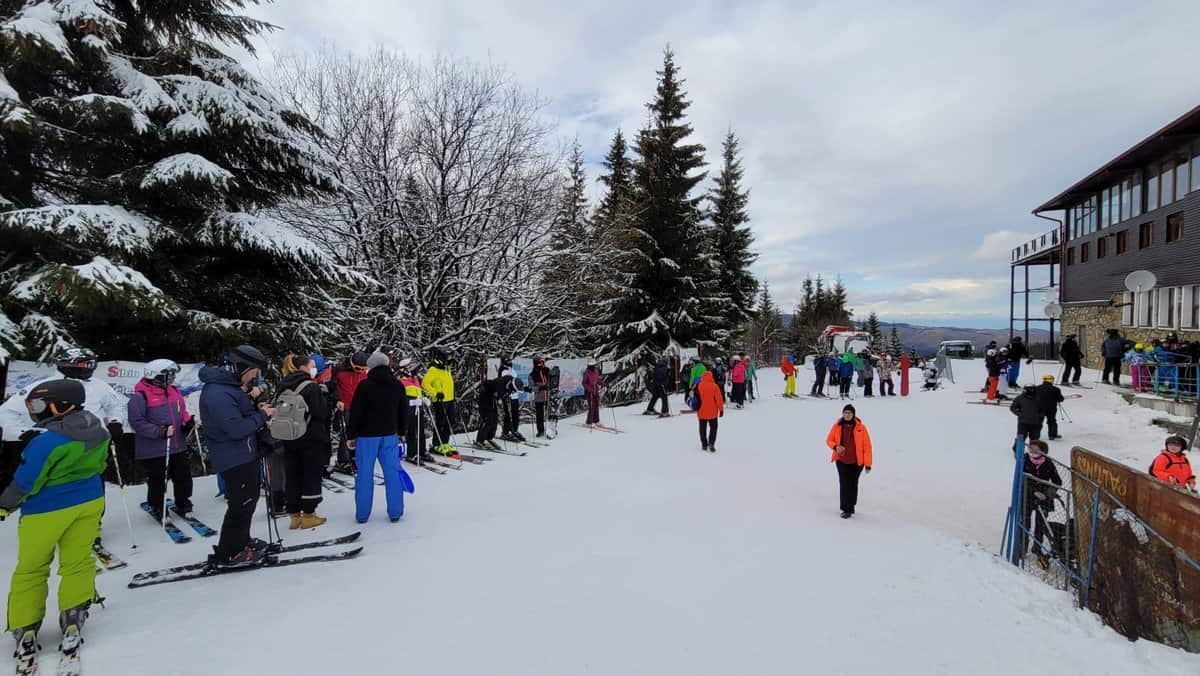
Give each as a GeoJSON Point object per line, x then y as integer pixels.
{"type": "Point", "coordinates": [1170, 462]}
{"type": "Point", "coordinates": [290, 421]}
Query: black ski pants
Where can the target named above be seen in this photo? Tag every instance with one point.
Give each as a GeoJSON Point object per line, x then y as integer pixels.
{"type": "Point", "coordinates": [738, 395]}
{"type": "Point", "coordinates": [708, 432]}
{"type": "Point", "coordinates": [303, 461]}
{"type": "Point", "coordinates": [241, 496]}
{"type": "Point", "coordinates": [180, 471]}
{"type": "Point", "coordinates": [539, 416]}
{"type": "Point", "coordinates": [414, 436]}
{"type": "Point", "coordinates": [658, 392]}
{"type": "Point", "coordinates": [887, 388]}
{"type": "Point", "coordinates": [1051, 424]}
{"type": "Point", "coordinates": [487, 423]}
{"type": "Point", "coordinates": [512, 415]}
{"type": "Point", "coordinates": [844, 386]}
{"type": "Point", "coordinates": [1032, 431]}
{"type": "Point", "coordinates": [818, 387]}
{"type": "Point", "coordinates": [867, 383]}
{"type": "Point", "coordinates": [1112, 365]}
{"type": "Point", "coordinates": [442, 411]}
{"type": "Point", "coordinates": [848, 476]}
{"type": "Point", "coordinates": [1071, 366]}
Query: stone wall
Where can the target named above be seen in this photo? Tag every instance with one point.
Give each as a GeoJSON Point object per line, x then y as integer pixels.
{"type": "Point", "coordinates": [1094, 323]}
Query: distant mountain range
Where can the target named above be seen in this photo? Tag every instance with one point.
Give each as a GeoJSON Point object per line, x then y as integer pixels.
{"type": "Point", "coordinates": [927, 338]}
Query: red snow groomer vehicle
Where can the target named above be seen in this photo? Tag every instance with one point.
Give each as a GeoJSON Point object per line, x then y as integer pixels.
{"type": "Point", "coordinates": [840, 339]}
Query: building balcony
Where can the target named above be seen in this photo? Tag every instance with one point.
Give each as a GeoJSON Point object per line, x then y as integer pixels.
{"type": "Point", "coordinates": [1041, 249]}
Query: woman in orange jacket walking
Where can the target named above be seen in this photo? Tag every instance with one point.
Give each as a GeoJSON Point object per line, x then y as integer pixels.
{"type": "Point", "coordinates": [851, 446]}
{"type": "Point", "coordinates": [710, 408]}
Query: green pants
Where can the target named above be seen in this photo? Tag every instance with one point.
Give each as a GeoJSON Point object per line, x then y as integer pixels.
{"type": "Point", "coordinates": [72, 530]}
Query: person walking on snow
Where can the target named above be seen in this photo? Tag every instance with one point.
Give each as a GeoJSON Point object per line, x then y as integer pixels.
{"type": "Point", "coordinates": [658, 389]}
{"type": "Point", "coordinates": [304, 456]}
{"type": "Point", "coordinates": [439, 384]}
{"type": "Point", "coordinates": [851, 445]}
{"type": "Point", "coordinates": [1049, 397]}
{"type": "Point", "coordinates": [161, 423]}
{"type": "Point", "coordinates": [820, 367]}
{"type": "Point", "coordinates": [379, 412]}
{"type": "Point", "coordinates": [61, 496]}
{"type": "Point", "coordinates": [1016, 352]}
{"type": "Point", "coordinates": [592, 382]}
{"type": "Point", "coordinates": [1171, 465]}
{"type": "Point", "coordinates": [737, 375]}
{"type": "Point", "coordinates": [789, 376]}
{"type": "Point", "coordinates": [1029, 413]}
{"type": "Point", "coordinates": [1072, 358]}
{"type": "Point", "coordinates": [710, 408]}
{"type": "Point", "coordinates": [230, 432]}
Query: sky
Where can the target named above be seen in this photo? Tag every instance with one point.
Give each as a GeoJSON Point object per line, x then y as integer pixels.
{"type": "Point", "coordinates": [900, 146]}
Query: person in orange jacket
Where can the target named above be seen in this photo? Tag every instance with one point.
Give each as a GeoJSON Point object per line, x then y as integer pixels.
{"type": "Point", "coordinates": [851, 446]}
{"type": "Point", "coordinates": [710, 408]}
{"type": "Point", "coordinates": [1172, 465]}
{"type": "Point", "coordinates": [789, 376]}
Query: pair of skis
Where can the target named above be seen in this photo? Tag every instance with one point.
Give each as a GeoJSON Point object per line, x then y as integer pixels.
{"type": "Point", "coordinates": [493, 447]}
{"type": "Point", "coordinates": [598, 427]}
{"type": "Point", "coordinates": [178, 536]}
{"type": "Point", "coordinates": [68, 655]}
{"type": "Point", "coordinates": [274, 559]}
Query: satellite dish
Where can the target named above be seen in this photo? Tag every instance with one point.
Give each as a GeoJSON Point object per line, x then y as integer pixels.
{"type": "Point", "coordinates": [1140, 280]}
{"type": "Point", "coordinates": [1054, 311]}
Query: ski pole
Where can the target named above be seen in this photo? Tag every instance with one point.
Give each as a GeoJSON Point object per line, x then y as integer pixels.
{"type": "Point", "coordinates": [112, 449]}
{"type": "Point", "coordinates": [1065, 414]}
{"type": "Point", "coordinates": [266, 465]}
{"type": "Point", "coordinates": [166, 478]}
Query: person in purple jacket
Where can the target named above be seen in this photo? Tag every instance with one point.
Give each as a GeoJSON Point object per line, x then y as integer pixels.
{"type": "Point", "coordinates": [161, 423]}
{"type": "Point", "coordinates": [592, 382]}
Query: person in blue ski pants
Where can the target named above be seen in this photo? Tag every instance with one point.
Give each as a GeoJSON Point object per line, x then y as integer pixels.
{"type": "Point", "coordinates": [377, 415]}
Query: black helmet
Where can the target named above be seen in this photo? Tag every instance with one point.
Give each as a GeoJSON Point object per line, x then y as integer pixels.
{"type": "Point", "coordinates": [53, 398]}
{"type": "Point", "coordinates": [438, 357]}
{"type": "Point", "coordinates": [1183, 444]}
{"type": "Point", "coordinates": [359, 359]}
{"type": "Point", "coordinates": [243, 358]}
{"type": "Point", "coordinates": [1030, 390]}
{"type": "Point", "coordinates": [76, 362]}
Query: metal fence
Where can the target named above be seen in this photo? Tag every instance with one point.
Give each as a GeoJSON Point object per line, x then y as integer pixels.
{"type": "Point", "coordinates": [1176, 378]}
{"type": "Point", "coordinates": [1080, 537]}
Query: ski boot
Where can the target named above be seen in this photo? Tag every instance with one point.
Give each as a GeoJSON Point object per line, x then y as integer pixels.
{"type": "Point", "coordinates": [247, 558]}
{"type": "Point", "coordinates": [71, 621]}
{"type": "Point", "coordinates": [27, 649]}
{"type": "Point", "coordinates": [518, 437]}
{"type": "Point", "coordinates": [492, 443]}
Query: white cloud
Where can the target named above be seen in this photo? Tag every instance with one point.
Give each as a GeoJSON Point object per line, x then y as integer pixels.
{"type": "Point", "coordinates": [997, 246]}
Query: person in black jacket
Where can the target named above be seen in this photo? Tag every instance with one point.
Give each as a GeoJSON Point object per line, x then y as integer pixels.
{"type": "Point", "coordinates": [377, 414]}
{"type": "Point", "coordinates": [304, 458]}
{"type": "Point", "coordinates": [1029, 416]}
{"type": "Point", "coordinates": [989, 351]}
{"type": "Point", "coordinates": [658, 389]}
{"type": "Point", "coordinates": [489, 392]}
{"type": "Point", "coordinates": [539, 386]}
{"type": "Point", "coordinates": [1038, 493]}
{"type": "Point", "coordinates": [1049, 397]}
{"type": "Point", "coordinates": [1016, 352]}
{"type": "Point", "coordinates": [1072, 358]}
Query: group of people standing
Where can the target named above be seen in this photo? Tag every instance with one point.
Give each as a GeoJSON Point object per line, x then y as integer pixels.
{"type": "Point", "coordinates": [842, 370]}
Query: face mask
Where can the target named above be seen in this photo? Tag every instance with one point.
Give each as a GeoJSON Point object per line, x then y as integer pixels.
{"type": "Point", "coordinates": [312, 371]}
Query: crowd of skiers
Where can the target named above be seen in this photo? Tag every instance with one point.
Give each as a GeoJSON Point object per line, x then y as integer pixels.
{"type": "Point", "coordinates": [841, 372]}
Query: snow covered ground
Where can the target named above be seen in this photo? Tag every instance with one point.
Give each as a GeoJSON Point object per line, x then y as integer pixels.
{"type": "Point", "coordinates": [639, 554]}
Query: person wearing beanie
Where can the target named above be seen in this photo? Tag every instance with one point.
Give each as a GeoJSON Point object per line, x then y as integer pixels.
{"type": "Point", "coordinates": [1041, 481]}
{"type": "Point", "coordinates": [851, 445]}
{"type": "Point", "coordinates": [1048, 398]}
{"type": "Point", "coordinates": [710, 406]}
{"type": "Point", "coordinates": [378, 414]}
{"type": "Point", "coordinates": [1172, 464]}
{"type": "Point", "coordinates": [1029, 413]}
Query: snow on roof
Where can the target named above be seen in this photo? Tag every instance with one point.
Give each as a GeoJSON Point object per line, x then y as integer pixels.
{"type": "Point", "coordinates": [38, 23]}
{"type": "Point", "coordinates": [7, 93]}
{"type": "Point", "coordinates": [120, 228]}
{"type": "Point", "coordinates": [185, 166]}
{"type": "Point", "coordinates": [189, 124]}
{"type": "Point", "coordinates": [144, 91]}
{"type": "Point", "coordinates": [259, 232]}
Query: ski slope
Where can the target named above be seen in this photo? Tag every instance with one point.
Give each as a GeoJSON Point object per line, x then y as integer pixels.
{"type": "Point", "coordinates": [639, 554]}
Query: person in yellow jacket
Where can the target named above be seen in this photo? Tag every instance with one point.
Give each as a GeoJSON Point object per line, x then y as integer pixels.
{"type": "Point", "coordinates": [439, 384]}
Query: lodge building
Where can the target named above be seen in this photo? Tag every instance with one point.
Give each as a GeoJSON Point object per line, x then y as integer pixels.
{"type": "Point", "coordinates": [1140, 211]}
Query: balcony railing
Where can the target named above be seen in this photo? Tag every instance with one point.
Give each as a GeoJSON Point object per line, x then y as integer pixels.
{"type": "Point", "coordinates": [1038, 245]}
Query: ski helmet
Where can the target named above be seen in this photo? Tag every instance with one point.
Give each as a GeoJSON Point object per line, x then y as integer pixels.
{"type": "Point", "coordinates": [1048, 378]}
{"type": "Point", "coordinates": [53, 398]}
{"type": "Point", "coordinates": [77, 362]}
{"type": "Point", "coordinates": [161, 372]}
{"type": "Point", "coordinates": [1175, 439]}
{"type": "Point", "coordinates": [991, 353]}
{"type": "Point", "coordinates": [438, 357]}
{"type": "Point", "coordinates": [358, 360]}
{"type": "Point", "coordinates": [242, 359]}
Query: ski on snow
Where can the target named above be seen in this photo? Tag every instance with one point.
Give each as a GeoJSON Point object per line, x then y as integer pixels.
{"type": "Point", "coordinates": [332, 486]}
{"type": "Point", "coordinates": [499, 450]}
{"type": "Point", "coordinates": [106, 559]}
{"type": "Point", "coordinates": [600, 428]}
{"type": "Point", "coordinates": [68, 653]}
{"type": "Point", "coordinates": [190, 519]}
{"type": "Point", "coordinates": [271, 561]}
{"type": "Point", "coordinates": [153, 576]}
{"type": "Point", "coordinates": [176, 535]}
{"type": "Point", "coordinates": [476, 459]}
{"type": "Point", "coordinates": [432, 468]}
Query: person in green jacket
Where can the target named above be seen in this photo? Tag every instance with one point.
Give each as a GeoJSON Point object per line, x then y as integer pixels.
{"type": "Point", "coordinates": [749, 376]}
{"type": "Point", "coordinates": [698, 369]}
{"type": "Point", "coordinates": [61, 496]}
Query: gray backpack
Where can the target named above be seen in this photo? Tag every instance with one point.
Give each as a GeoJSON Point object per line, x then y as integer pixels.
{"type": "Point", "coordinates": [290, 421]}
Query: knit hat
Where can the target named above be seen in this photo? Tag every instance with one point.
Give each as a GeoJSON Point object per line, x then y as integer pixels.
{"type": "Point", "coordinates": [377, 359]}
{"type": "Point", "coordinates": [849, 407]}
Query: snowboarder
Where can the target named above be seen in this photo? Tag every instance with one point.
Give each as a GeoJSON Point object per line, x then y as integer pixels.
{"type": "Point", "coordinates": [851, 445]}
{"type": "Point", "coordinates": [1041, 482]}
{"type": "Point", "coordinates": [439, 384]}
{"type": "Point", "coordinates": [1072, 358]}
{"type": "Point", "coordinates": [1049, 397]}
{"type": "Point", "coordinates": [820, 368]}
{"type": "Point", "coordinates": [1112, 350]}
{"type": "Point", "coordinates": [304, 456]}
{"type": "Point", "coordinates": [1171, 466]}
{"type": "Point", "coordinates": [61, 496]}
{"type": "Point", "coordinates": [414, 435]}
{"type": "Point", "coordinates": [539, 385]}
{"type": "Point", "coordinates": [710, 408]}
{"type": "Point", "coordinates": [379, 412]}
{"type": "Point", "coordinates": [1029, 413]}
{"type": "Point", "coordinates": [161, 423]}
{"type": "Point", "coordinates": [1016, 352]}
{"type": "Point", "coordinates": [737, 376]}
{"type": "Point", "coordinates": [658, 389]}
{"type": "Point", "coordinates": [592, 382]}
{"type": "Point", "coordinates": [789, 376]}
{"type": "Point", "coordinates": [230, 432]}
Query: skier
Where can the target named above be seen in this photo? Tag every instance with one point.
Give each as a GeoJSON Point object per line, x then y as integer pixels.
{"type": "Point", "coordinates": [1112, 350]}
{"type": "Point", "coordinates": [737, 375]}
{"type": "Point", "coordinates": [230, 432]}
{"type": "Point", "coordinates": [1029, 414]}
{"type": "Point", "coordinates": [1041, 480]}
{"type": "Point", "coordinates": [347, 378]}
{"type": "Point", "coordinates": [698, 369]}
{"type": "Point", "coordinates": [512, 388]}
{"type": "Point", "coordinates": [789, 376]}
{"type": "Point", "coordinates": [592, 382]}
{"type": "Point", "coordinates": [1139, 373]}
{"type": "Point", "coordinates": [868, 374]}
{"type": "Point", "coordinates": [658, 390]}
{"type": "Point", "coordinates": [439, 384]}
{"type": "Point", "coordinates": [302, 407]}
{"type": "Point", "coordinates": [161, 423]}
{"type": "Point", "coordinates": [61, 496]}
{"type": "Point", "coordinates": [719, 375]}
{"type": "Point", "coordinates": [74, 363]}
{"type": "Point", "coordinates": [992, 362]}
{"type": "Point", "coordinates": [845, 375]}
{"type": "Point", "coordinates": [379, 412]}
{"type": "Point", "coordinates": [1003, 363]}
{"type": "Point", "coordinates": [832, 365]}
{"type": "Point", "coordinates": [1072, 358]}
{"type": "Point", "coordinates": [750, 376]}
{"type": "Point", "coordinates": [886, 387]}
{"type": "Point", "coordinates": [991, 349]}
{"type": "Point", "coordinates": [1171, 466]}
{"type": "Point", "coordinates": [414, 433]}
{"type": "Point", "coordinates": [1049, 397]}
{"type": "Point", "coordinates": [539, 385]}
{"type": "Point", "coordinates": [489, 391]}
{"type": "Point", "coordinates": [1016, 352]}
{"type": "Point", "coordinates": [710, 408]}
{"type": "Point", "coordinates": [851, 445]}
{"type": "Point", "coordinates": [820, 367]}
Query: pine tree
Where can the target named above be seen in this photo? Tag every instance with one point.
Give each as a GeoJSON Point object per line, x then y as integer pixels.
{"type": "Point", "coordinates": [816, 311]}
{"type": "Point", "coordinates": [872, 328]}
{"type": "Point", "coordinates": [571, 258]}
{"type": "Point", "coordinates": [732, 240]}
{"type": "Point", "coordinates": [895, 345]}
{"type": "Point", "coordinates": [136, 162]}
{"type": "Point", "coordinates": [766, 326]}
{"type": "Point", "coordinates": [671, 269]}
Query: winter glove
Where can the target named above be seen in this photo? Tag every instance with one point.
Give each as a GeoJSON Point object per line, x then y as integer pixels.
{"type": "Point", "coordinates": [189, 426]}
{"type": "Point", "coordinates": [350, 444]}
{"type": "Point", "coordinates": [867, 470]}
{"type": "Point", "coordinates": [3, 513]}
{"type": "Point", "coordinates": [1029, 362]}
{"type": "Point", "coordinates": [441, 397]}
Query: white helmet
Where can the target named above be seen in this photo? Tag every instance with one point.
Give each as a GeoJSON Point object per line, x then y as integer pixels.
{"type": "Point", "coordinates": [161, 371]}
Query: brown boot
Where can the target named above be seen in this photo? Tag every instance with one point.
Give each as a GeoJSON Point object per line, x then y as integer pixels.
{"type": "Point", "coordinates": [296, 521]}
{"type": "Point", "coordinates": [311, 520]}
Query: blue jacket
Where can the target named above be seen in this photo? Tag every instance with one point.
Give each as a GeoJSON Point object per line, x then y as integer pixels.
{"type": "Point", "coordinates": [845, 369]}
{"type": "Point", "coordinates": [819, 364]}
{"type": "Point", "coordinates": [1113, 348]}
{"type": "Point", "coordinates": [229, 420]}
{"type": "Point", "coordinates": [60, 466]}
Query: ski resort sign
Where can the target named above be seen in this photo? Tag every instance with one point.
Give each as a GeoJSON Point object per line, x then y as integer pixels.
{"type": "Point", "coordinates": [122, 376]}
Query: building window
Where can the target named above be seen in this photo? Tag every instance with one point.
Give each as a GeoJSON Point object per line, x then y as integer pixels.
{"type": "Point", "coordinates": [1122, 242]}
{"type": "Point", "coordinates": [1175, 227]}
{"type": "Point", "coordinates": [1070, 255]}
{"type": "Point", "coordinates": [1101, 247]}
{"type": "Point", "coordinates": [1127, 200]}
{"type": "Point", "coordinates": [1152, 189]}
{"type": "Point", "coordinates": [1166, 307]}
{"type": "Point", "coordinates": [1144, 306]}
{"type": "Point", "coordinates": [1137, 195]}
{"type": "Point", "coordinates": [1196, 165]}
{"type": "Point", "coordinates": [1084, 250]}
{"type": "Point", "coordinates": [1127, 308]}
{"type": "Point", "coordinates": [1166, 193]}
{"type": "Point", "coordinates": [1145, 235]}
{"type": "Point", "coordinates": [1192, 307]}
{"type": "Point", "coordinates": [1181, 179]}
